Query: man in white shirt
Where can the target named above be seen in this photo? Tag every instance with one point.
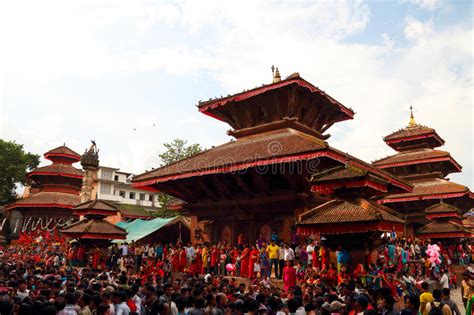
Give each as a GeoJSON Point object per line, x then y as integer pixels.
{"type": "Point", "coordinates": [190, 253]}
{"type": "Point", "coordinates": [124, 249]}
{"type": "Point", "coordinates": [310, 250]}
{"type": "Point", "coordinates": [120, 301]}
{"type": "Point", "coordinates": [289, 253]}
{"type": "Point", "coordinates": [444, 279]}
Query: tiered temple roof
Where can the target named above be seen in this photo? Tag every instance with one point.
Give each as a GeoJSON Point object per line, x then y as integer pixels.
{"type": "Point", "coordinates": [446, 222]}
{"type": "Point", "coordinates": [54, 189]}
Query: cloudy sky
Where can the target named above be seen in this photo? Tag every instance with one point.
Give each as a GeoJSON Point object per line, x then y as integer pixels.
{"type": "Point", "coordinates": [71, 71]}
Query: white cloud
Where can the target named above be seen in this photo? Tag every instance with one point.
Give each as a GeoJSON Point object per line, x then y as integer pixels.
{"type": "Point", "coordinates": [428, 4]}
{"type": "Point", "coordinates": [416, 30]}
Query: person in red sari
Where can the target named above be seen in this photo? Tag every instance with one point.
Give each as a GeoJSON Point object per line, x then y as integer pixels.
{"type": "Point", "coordinates": [182, 259]}
{"type": "Point", "coordinates": [315, 260]}
{"type": "Point", "coordinates": [325, 256]}
{"type": "Point", "coordinates": [174, 260]}
{"type": "Point", "coordinates": [253, 258]}
{"type": "Point", "coordinates": [331, 275]}
{"type": "Point", "coordinates": [343, 276]}
{"type": "Point", "coordinates": [198, 259]}
{"type": "Point", "coordinates": [289, 276]}
{"type": "Point", "coordinates": [244, 261]}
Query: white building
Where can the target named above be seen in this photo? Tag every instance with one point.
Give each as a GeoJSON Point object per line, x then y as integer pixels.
{"type": "Point", "coordinates": [114, 185]}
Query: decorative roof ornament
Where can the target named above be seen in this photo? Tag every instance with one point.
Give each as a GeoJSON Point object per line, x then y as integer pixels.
{"type": "Point", "coordinates": [412, 123]}
{"type": "Point", "coordinates": [90, 158]}
{"type": "Point", "coordinates": [276, 74]}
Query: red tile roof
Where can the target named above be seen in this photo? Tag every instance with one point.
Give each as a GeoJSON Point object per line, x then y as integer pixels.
{"type": "Point", "coordinates": [412, 131]}
{"type": "Point", "coordinates": [94, 229]}
{"type": "Point", "coordinates": [415, 157]}
{"type": "Point", "coordinates": [431, 189]}
{"type": "Point", "coordinates": [347, 211]}
{"type": "Point", "coordinates": [263, 147]}
{"type": "Point", "coordinates": [207, 106]}
{"type": "Point", "coordinates": [47, 200]}
{"type": "Point", "coordinates": [441, 208]}
{"type": "Point", "coordinates": [443, 229]}
{"type": "Point", "coordinates": [57, 169]}
{"type": "Point", "coordinates": [63, 151]}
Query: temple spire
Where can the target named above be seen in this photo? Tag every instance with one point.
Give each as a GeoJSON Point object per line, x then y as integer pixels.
{"type": "Point", "coordinates": [412, 122]}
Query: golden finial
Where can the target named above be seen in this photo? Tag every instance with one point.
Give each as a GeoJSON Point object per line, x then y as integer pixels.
{"type": "Point", "coordinates": [276, 74]}
{"type": "Point", "coordinates": [412, 122]}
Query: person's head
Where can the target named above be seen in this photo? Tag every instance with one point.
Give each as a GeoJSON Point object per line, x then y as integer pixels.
{"type": "Point", "coordinates": [70, 299]}
{"type": "Point", "coordinates": [103, 309]}
{"type": "Point", "coordinates": [85, 300]}
{"type": "Point", "coordinates": [425, 286]}
{"type": "Point", "coordinates": [437, 294]}
{"type": "Point", "coordinates": [446, 293]}
{"type": "Point", "coordinates": [168, 289]}
{"type": "Point", "coordinates": [388, 302]}
{"type": "Point", "coordinates": [412, 302]}
{"type": "Point", "coordinates": [361, 303]}
{"type": "Point", "coordinates": [221, 299]}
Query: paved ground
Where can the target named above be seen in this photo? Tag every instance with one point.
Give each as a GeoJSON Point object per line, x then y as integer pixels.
{"type": "Point", "coordinates": [456, 296]}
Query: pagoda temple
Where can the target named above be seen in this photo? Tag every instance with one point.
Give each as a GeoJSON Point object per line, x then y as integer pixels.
{"type": "Point", "coordinates": [54, 191]}
{"type": "Point", "coordinates": [418, 162]}
{"type": "Point", "coordinates": [259, 181]}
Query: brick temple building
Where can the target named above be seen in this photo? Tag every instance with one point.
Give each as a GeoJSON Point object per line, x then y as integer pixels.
{"type": "Point", "coordinates": [259, 181]}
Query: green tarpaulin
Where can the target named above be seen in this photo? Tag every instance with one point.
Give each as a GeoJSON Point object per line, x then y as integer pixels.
{"type": "Point", "coordinates": [138, 229]}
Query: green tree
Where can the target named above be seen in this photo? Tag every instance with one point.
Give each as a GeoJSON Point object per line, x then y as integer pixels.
{"type": "Point", "coordinates": [15, 163]}
{"type": "Point", "coordinates": [176, 151]}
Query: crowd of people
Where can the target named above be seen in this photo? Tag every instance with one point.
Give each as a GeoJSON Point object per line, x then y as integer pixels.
{"type": "Point", "coordinates": [269, 277]}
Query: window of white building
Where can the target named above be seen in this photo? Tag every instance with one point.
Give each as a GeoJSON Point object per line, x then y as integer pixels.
{"type": "Point", "coordinates": [122, 194]}
{"type": "Point", "coordinates": [106, 174]}
{"type": "Point", "coordinates": [105, 188]}
{"type": "Point", "coordinates": [142, 197]}
{"type": "Point", "coordinates": [132, 195]}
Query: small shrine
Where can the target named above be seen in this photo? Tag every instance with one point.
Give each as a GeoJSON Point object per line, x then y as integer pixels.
{"type": "Point", "coordinates": [93, 233]}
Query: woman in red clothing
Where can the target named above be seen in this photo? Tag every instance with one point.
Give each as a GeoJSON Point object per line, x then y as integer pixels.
{"type": "Point", "coordinates": [198, 258]}
{"type": "Point", "coordinates": [253, 257]}
{"type": "Point", "coordinates": [315, 256]}
{"type": "Point", "coordinates": [174, 260]}
{"type": "Point", "coordinates": [289, 276]}
{"type": "Point", "coordinates": [244, 260]}
{"type": "Point", "coordinates": [182, 259]}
